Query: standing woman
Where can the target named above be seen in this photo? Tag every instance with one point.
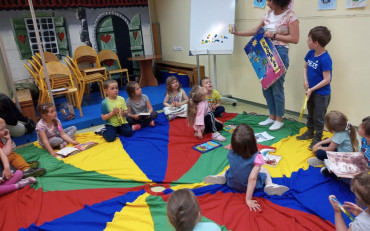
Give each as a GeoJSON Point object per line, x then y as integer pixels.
{"type": "Point", "coordinates": [282, 26]}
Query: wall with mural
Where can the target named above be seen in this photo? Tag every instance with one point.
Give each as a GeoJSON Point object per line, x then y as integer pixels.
{"type": "Point", "coordinates": [125, 30]}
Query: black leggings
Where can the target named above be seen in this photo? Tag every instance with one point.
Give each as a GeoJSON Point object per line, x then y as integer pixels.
{"type": "Point", "coordinates": [211, 125]}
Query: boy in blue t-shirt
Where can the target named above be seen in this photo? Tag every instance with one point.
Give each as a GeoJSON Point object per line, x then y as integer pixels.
{"type": "Point", "coordinates": [317, 77]}
{"type": "Point", "coordinates": [364, 132]}
{"type": "Point", "coordinates": [113, 111]}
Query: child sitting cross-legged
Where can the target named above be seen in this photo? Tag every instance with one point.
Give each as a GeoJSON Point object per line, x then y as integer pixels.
{"type": "Point", "coordinates": [246, 172]}
{"type": "Point", "coordinates": [213, 97]}
{"type": "Point", "coordinates": [113, 111]}
{"type": "Point", "coordinates": [137, 104]}
{"type": "Point", "coordinates": [176, 101]}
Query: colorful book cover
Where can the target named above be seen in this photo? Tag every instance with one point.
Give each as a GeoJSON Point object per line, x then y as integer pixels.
{"type": "Point", "coordinates": [346, 164]}
{"type": "Point", "coordinates": [230, 128]}
{"type": "Point", "coordinates": [206, 146]}
{"type": "Point", "coordinates": [265, 59]}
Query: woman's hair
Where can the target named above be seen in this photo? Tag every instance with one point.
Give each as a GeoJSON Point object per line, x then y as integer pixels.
{"type": "Point", "coordinates": [336, 121]}
{"type": "Point", "coordinates": [196, 96]}
{"type": "Point", "coordinates": [281, 3]}
{"type": "Point", "coordinates": [362, 188]}
{"type": "Point", "coordinates": [183, 210]}
{"type": "Point", "coordinates": [366, 125]}
{"type": "Point", "coordinates": [44, 108]}
{"type": "Point", "coordinates": [243, 141]}
{"type": "Point", "coordinates": [130, 88]}
{"type": "Point", "coordinates": [168, 84]}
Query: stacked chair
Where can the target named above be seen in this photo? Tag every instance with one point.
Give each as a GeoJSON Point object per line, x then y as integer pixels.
{"type": "Point", "coordinates": [108, 55]}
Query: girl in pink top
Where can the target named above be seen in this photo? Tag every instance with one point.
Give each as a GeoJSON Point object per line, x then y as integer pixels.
{"type": "Point", "coordinates": [200, 117]}
{"type": "Point", "coordinates": [50, 132]}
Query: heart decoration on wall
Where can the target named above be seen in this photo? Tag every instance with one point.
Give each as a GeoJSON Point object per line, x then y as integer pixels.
{"type": "Point", "coordinates": [61, 36]}
{"type": "Point", "coordinates": [109, 62]}
{"type": "Point", "coordinates": [105, 38]}
{"type": "Point", "coordinates": [22, 38]}
{"type": "Point", "coordinates": [135, 34]}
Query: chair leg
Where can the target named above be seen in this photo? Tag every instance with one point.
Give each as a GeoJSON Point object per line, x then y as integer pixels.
{"type": "Point", "coordinates": [101, 89]}
{"type": "Point", "coordinates": [121, 79]}
{"type": "Point", "coordinates": [128, 78]}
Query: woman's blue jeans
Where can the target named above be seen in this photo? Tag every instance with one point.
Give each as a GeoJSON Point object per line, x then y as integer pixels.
{"type": "Point", "coordinates": [274, 95]}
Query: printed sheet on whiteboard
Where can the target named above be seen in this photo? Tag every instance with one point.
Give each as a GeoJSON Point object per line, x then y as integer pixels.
{"type": "Point", "coordinates": [265, 59]}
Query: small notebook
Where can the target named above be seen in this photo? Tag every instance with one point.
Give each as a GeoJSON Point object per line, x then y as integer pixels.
{"type": "Point", "coordinates": [207, 146]}
{"type": "Point", "coordinates": [346, 164]}
{"type": "Point", "coordinates": [271, 160]}
{"type": "Point", "coordinates": [263, 136]}
{"type": "Point", "coordinates": [230, 128]}
{"type": "Point", "coordinates": [144, 114]}
{"type": "Point", "coordinates": [69, 151]}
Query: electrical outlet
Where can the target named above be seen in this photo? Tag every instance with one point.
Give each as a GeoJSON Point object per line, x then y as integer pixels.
{"type": "Point", "coordinates": [177, 48]}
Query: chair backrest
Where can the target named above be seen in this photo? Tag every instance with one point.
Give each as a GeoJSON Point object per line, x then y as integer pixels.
{"type": "Point", "coordinates": [86, 54]}
{"type": "Point", "coordinates": [34, 75]}
{"type": "Point", "coordinates": [57, 69]}
{"type": "Point", "coordinates": [108, 55]}
{"type": "Point", "coordinates": [73, 67]}
{"type": "Point", "coordinates": [48, 56]}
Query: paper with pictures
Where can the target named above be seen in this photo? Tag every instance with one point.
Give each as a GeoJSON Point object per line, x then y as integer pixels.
{"type": "Point", "coordinates": [263, 136]}
{"type": "Point", "coordinates": [271, 160]}
{"type": "Point", "coordinates": [207, 146]}
{"type": "Point", "coordinates": [346, 164]}
{"type": "Point", "coordinates": [356, 3]}
{"type": "Point", "coordinates": [265, 59]}
{"type": "Point", "coordinates": [327, 4]}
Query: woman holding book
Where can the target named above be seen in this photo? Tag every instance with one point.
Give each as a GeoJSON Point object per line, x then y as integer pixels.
{"type": "Point", "coordinates": [282, 27]}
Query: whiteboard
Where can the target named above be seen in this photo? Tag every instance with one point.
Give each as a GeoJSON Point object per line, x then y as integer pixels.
{"type": "Point", "coordinates": [209, 27]}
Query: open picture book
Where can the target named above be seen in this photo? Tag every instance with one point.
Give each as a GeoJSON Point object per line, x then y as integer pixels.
{"type": "Point", "coordinates": [69, 151]}
{"type": "Point", "coordinates": [346, 164]}
{"type": "Point", "coordinates": [206, 146]}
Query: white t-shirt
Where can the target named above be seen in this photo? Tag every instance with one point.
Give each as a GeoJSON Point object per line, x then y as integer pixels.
{"type": "Point", "coordinates": [361, 222]}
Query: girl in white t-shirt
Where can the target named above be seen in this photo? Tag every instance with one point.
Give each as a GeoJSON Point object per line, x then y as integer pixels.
{"type": "Point", "coordinates": [361, 188]}
{"type": "Point", "coordinates": [176, 101]}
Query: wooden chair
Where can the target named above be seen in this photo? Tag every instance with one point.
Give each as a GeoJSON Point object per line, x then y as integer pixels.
{"type": "Point", "coordinates": [86, 54]}
{"type": "Point", "coordinates": [108, 55]}
{"type": "Point", "coordinates": [48, 56]}
{"type": "Point", "coordinates": [86, 77]}
{"type": "Point", "coordinates": [42, 97]}
{"type": "Point", "coordinates": [59, 70]}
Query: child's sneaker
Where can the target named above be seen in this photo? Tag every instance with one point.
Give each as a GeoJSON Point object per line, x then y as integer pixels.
{"type": "Point", "coordinates": [215, 179]}
{"type": "Point", "coordinates": [171, 117]}
{"type": "Point", "coordinates": [306, 136]}
{"type": "Point", "coordinates": [24, 182]}
{"type": "Point", "coordinates": [33, 164]}
{"type": "Point", "coordinates": [315, 162]}
{"type": "Point", "coordinates": [314, 141]}
{"type": "Point", "coordinates": [275, 189]}
{"type": "Point", "coordinates": [266, 122]}
{"type": "Point", "coordinates": [217, 136]}
{"type": "Point", "coordinates": [152, 123]}
{"type": "Point", "coordinates": [136, 127]}
{"type": "Point", "coordinates": [35, 172]}
{"type": "Point", "coordinates": [100, 131]}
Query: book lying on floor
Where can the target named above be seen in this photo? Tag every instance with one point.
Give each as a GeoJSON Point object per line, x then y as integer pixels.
{"type": "Point", "coordinates": [230, 128]}
{"type": "Point", "coordinates": [206, 146]}
{"type": "Point", "coordinates": [263, 136]}
{"type": "Point", "coordinates": [346, 164]}
{"type": "Point", "coordinates": [69, 151]}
